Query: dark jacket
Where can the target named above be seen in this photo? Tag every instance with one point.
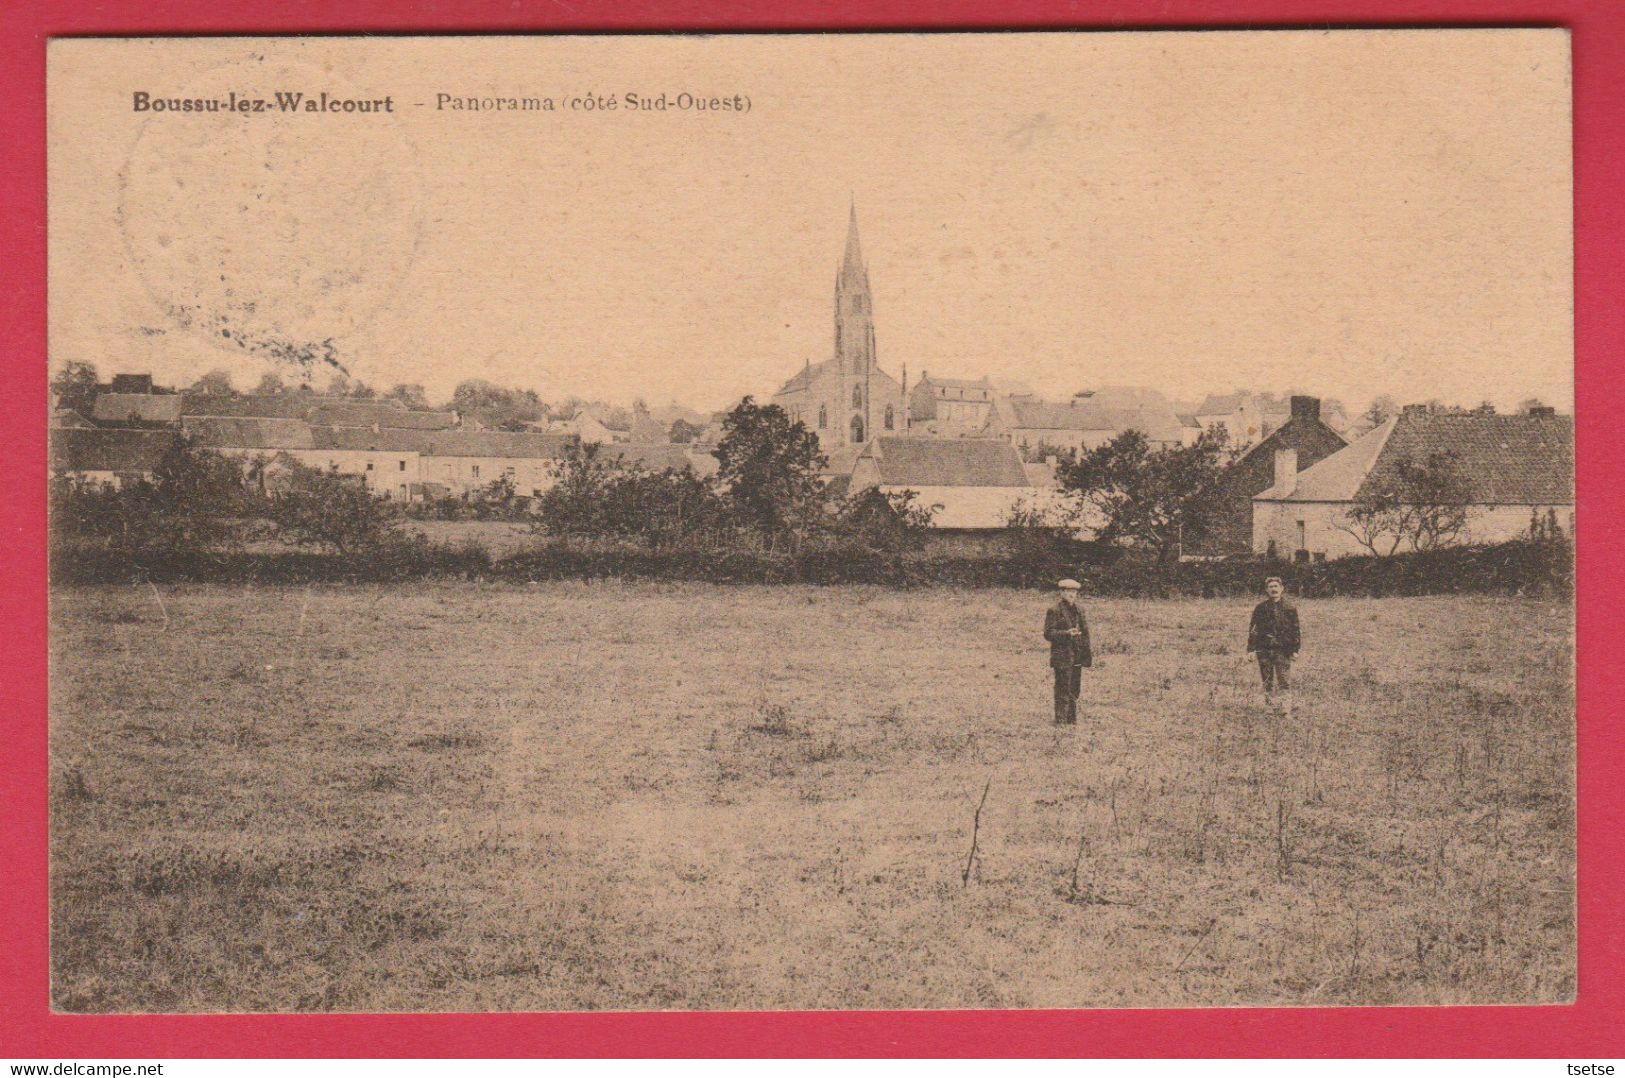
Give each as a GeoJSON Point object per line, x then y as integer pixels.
{"type": "Point", "coordinates": [1274, 628]}
{"type": "Point", "coordinates": [1065, 650]}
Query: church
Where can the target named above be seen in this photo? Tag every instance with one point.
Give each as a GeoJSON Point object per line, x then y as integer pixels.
{"type": "Point", "coordinates": [847, 399]}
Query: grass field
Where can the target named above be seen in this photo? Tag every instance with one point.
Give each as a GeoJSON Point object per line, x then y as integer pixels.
{"type": "Point", "coordinates": [604, 796]}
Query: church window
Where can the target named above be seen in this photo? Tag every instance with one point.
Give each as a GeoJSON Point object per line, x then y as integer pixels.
{"type": "Point", "coordinates": [857, 428]}
{"type": "Point", "coordinates": [823, 417]}
{"type": "Point", "coordinates": [857, 396]}
{"type": "Point", "coordinates": [890, 419]}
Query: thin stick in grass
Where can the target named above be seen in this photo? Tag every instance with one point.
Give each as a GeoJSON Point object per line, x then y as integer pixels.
{"type": "Point", "coordinates": [975, 833]}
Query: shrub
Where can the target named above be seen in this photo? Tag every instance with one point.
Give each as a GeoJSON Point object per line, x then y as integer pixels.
{"type": "Point", "coordinates": [327, 509]}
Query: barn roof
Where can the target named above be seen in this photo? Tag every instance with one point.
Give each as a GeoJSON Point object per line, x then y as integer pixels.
{"type": "Point", "coordinates": [94, 449]}
{"type": "Point", "coordinates": [491, 443]}
{"type": "Point", "coordinates": [247, 432]}
{"type": "Point", "coordinates": [947, 462]}
{"type": "Point", "coordinates": [1159, 425]}
{"type": "Point", "coordinates": [145, 407]}
{"type": "Point", "coordinates": [353, 413]}
{"type": "Point", "coordinates": [1506, 459]}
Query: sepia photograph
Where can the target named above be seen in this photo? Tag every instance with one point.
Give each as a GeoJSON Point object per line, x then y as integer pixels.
{"type": "Point", "coordinates": [838, 521]}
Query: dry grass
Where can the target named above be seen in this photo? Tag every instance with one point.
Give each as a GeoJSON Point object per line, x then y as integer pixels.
{"type": "Point", "coordinates": [595, 796]}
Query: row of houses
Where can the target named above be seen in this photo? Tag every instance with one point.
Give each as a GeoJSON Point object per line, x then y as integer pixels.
{"type": "Point", "coordinates": [1290, 492]}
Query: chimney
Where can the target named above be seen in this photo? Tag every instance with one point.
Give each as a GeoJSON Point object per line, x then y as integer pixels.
{"type": "Point", "coordinates": [1305, 407]}
{"type": "Point", "coordinates": [1414, 409]}
{"type": "Point", "coordinates": [1286, 471]}
{"type": "Point", "coordinates": [1541, 411]}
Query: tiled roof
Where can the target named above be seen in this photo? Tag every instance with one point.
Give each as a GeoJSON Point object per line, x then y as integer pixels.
{"type": "Point", "coordinates": [146, 407]}
{"type": "Point", "coordinates": [67, 417]}
{"type": "Point", "coordinates": [1157, 424]}
{"type": "Point", "coordinates": [1214, 404]}
{"type": "Point", "coordinates": [377, 413]}
{"type": "Point", "coordinates": [367, 440]}
{"type": "Point", "coordinates": [280, 406]}
{"type": "Point", "coordinates": [248, 432]}
{"type": "Point", "coordinates": [803, 378]}
{"type": "Point", "coordinates": [1508, 460]}
{"type": "Point", "coordinates": [947, 462]}
{"type": "Point", "coordinates": [493, 443]}
{"type": "Point", "coordinates": [79, 449]}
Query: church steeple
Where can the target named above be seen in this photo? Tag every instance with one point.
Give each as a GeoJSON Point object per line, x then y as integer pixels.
{"type": "Point", "coordinates": [854, 311]}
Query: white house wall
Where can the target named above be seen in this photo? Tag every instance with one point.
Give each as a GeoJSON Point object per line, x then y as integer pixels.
{"type": "Point", "coordinates": [1322, 526]}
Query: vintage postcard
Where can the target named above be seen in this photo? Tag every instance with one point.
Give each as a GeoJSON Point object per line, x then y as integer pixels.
{"type": "Point", "coordinates": [827, 521]}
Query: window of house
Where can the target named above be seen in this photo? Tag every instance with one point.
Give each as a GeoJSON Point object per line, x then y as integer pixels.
{"type": "Point", "coordinates": [403, 465]}
{"type": "Point", "coordinates": [474, 470]}
{"type": "Point", "coordinates": [1303, 536]}
{"type": "Point", "coordinates": [369, 465]}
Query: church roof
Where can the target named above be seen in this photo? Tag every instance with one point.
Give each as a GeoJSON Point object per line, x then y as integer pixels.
{"type": "Point", "coordinates": [804, 377]}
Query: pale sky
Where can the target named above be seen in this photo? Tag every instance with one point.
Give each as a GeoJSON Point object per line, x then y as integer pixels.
{"type": "Point", "coordinates": [1347, 213]}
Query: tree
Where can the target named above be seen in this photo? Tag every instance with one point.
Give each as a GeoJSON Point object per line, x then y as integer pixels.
{"type": "Point", "coordinates": [1380, 411]}
{"type": "Point", "coordinates": [215, 383]}
{"type": "Point", "coordinates": [411, 395]}
{"type": "Point", "coordinates": [1151, 497]}
{"type": "Point", "coordinates": [683, 432]}
{"type": "Point", "coordinates": [194, 501]}
{"type": "Point", "coordinates": [488, 404]}
{"type": "Point", "coordinates": [75, 385]}
{"type": "Point", "coordinates": [769, 467]}
{"type": "Point", "coordinates": [1425, 503]}
{"type": "Point", "coordinates": [884, 521]}
{"type": "Point", "coordinates": [327, 509]}
{"type": "Point", "coordinates": [270, 385]}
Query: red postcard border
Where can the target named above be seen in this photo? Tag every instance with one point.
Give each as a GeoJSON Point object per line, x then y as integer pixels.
{"type": "Point", "coordinates": [1594, 1026]}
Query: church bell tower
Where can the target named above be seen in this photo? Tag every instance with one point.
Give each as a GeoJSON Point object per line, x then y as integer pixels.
{"type": "Point", "coordinates": [854, 335]}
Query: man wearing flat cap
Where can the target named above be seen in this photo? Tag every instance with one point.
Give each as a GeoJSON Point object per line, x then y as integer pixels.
{"type": "Point", "coordinates": [1068, 636]}
{"type": "Point", "coordinates": [1273, 635]}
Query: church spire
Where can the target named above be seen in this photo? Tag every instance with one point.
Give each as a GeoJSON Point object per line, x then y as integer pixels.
{"type": "Point", "coordinates": [852, 265]}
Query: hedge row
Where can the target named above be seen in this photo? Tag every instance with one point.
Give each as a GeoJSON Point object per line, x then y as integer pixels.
{"type": "Point", "coordinates": [1508, 568]}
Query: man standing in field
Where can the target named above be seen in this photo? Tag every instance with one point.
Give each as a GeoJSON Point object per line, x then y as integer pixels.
{"type": "Point", "coordinates": [1068, 636]}
{"type": "Point", "coordinates": [1274, 637]}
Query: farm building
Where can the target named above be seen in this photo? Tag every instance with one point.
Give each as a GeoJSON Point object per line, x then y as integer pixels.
{"type": "Point", "coordinates": [135, 408]}
{"type": "Point", "coordinates": [109, 457]}
{"type": "Point", "coordinates": [976, 481]}
{"type": "Point", "coordinates": [1078, 425]}
{"type": "Point", "coordinates": [949, 405]}
{"type": "Point", "coordinates": [1516, 468]}
{"type": "Point", "coordinates": [1254, 472]}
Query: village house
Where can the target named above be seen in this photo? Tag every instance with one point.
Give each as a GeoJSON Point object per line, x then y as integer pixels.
{"type": "Point", "coordinates": [976, 481]}
{"type": "Point", "coordinates": [461, 461]}
{"type": "Point", "coordinates": [1037, 428]}
{"type": "Point", "coordinates": [1248, 418]}
{"type": "Point", "coordinates": [1518, 469]}
{"type": "Point", "coordinates": [318, 409]}
{"type": "Point", "coordinates": [136, 408]}
{"type": "Point", "coordinates": [107, 457]}
{"type": "Point", "coordinates": [1254, 472]}
{"type": "Point", "coordinates": [947, 407]}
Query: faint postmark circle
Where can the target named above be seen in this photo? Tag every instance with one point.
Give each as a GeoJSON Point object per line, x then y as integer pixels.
{"type": "Point", "coordinates": [277, 231]}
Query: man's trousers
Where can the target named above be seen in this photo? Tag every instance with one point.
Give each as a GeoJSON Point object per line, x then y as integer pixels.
{"type": "Point", "coordinates": [1068, 683]}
